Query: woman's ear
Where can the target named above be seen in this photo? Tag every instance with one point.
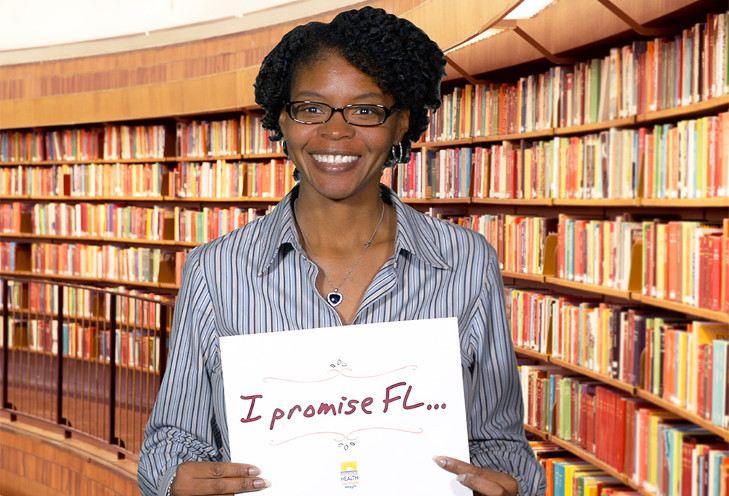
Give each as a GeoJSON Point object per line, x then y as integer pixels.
{"type": "Point", "coordinates": [282, 119]}
{"type": "Point", "coordinates": [403, 124]}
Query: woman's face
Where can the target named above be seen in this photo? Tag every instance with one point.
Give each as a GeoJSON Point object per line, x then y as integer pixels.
{"type": "Point", "coordinates": [337, 159]}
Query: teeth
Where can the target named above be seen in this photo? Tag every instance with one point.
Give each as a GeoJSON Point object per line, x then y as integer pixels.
{"type": "Point", "coordinates": [335, 159]}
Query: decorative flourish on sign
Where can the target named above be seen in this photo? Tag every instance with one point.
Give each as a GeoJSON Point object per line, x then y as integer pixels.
{"type": "Point", "coordinates": [337, 369]}
{"type": "Point", "coordinates": [352, 436]}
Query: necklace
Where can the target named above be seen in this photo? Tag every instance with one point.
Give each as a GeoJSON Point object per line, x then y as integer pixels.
{"type": "Point", "coordinates": [334, 297]}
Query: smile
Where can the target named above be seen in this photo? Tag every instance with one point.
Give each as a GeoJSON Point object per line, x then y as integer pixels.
{"type": "Point", "coordinates": [335, 159]}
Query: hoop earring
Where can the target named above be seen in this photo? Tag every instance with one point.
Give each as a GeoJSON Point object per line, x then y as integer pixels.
{"type": "Point", "coordinates": [284, 148]}
{"type": "Point", "coordinates": [397, 155]}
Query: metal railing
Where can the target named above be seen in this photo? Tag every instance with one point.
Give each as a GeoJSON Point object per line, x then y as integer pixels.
{"type": "Point", "coordinates": [84, 358]}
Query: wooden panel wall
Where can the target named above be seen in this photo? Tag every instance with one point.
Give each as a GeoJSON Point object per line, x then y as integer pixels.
{"type": "Point", "coordinates": [34, 462]}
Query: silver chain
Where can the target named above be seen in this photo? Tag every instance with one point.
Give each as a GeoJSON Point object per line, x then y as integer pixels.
{"type": "Point", "coordinates": [356, 262]}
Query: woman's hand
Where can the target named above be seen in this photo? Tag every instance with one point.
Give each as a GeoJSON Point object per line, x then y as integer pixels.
{"type": "Point", "coordinates": [482, 480]}
{"type": "Point", "coordinates": [200, 478]}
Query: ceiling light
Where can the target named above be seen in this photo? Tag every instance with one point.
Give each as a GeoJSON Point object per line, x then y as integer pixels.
{"type": "Point", "coordinates": [527, 9]}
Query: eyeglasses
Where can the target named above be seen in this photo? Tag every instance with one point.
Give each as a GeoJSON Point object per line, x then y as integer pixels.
{"type": "Point", "coordinates": [364, 114]}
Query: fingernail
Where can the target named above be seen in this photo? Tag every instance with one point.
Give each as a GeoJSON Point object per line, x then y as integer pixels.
{"type": "Point", "coordinates": [261, 483]}
{"type": "Point", "coordinates": [462, 478]}
{"type": "Point", "coordinates": [253, 471]}
{"type": "Point", "coordinates": [440, 461]}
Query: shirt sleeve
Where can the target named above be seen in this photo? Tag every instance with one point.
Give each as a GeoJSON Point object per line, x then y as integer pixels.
{"type": "Point", "coordinates": [180, 427]}
{"type": "Point", "coordinates": [493, 391]}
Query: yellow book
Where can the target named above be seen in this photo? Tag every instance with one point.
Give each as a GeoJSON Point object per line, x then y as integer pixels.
{"type": "Point", "coordinates": [661, 262]}
{"type": "Point", "coordinates": [654, 462]}
{"type": "Point", "coordinates": [592, 484]}
{"type": "Point", "coordinates": [605, 341]}
{"type": "Point", "coordinates": [574, 472]}
{"type": "Point", "coordinates": [702, 162]}
{"type": "Point", "coordinates": [682, 342]}
{"type": "Point", "coordinates": [468, 111]}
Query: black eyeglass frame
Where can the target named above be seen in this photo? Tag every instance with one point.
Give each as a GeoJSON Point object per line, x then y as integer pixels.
{"type": "Point", "coordinates": [388, 112]}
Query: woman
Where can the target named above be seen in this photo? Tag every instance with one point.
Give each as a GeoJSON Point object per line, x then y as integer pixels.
{"type": "Point", "coordinates": [348, 98]}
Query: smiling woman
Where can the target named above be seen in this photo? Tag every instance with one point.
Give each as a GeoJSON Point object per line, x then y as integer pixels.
{"type": "Point", "coordinates": [348, 98]}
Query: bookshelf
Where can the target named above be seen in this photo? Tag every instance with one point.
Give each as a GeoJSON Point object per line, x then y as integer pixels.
{"type": "Point", "coordinates": [213, 143]}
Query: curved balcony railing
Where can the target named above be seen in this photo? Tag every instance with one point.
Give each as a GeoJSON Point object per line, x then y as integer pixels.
{"type": "Point", "coordinates": [86, 359]}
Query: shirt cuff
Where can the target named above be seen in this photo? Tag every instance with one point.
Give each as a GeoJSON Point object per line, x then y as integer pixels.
{"type": "Point", "coordinates": [166, 483]}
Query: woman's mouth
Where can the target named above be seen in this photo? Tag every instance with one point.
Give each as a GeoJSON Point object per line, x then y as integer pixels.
{"type": "Point", "coordinates": [334, 159]}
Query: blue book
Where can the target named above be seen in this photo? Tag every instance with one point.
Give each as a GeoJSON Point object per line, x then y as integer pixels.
{"type": "Point", "coordinates": [718, 386]}
{"type": "Point", "coordinates": [715, 460]}
{"type": "Point", "coordinates": [558, 475]}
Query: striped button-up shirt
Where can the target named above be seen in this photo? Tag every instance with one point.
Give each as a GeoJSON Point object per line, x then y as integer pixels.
{"type": "Point", "coordinates": [259, 279]}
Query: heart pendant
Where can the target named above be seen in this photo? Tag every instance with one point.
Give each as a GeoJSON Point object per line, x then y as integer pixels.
{"type": "Point", "coordinates": [334, 298]}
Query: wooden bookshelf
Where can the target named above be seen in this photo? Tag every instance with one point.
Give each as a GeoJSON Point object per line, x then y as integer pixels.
{"type": "Point", "coordinates": [167, 287]}
{"type": "Point", "coordinates": [101, 240]}
{"type": "Point", "coordinates": [100, 96]}
{"type": "Point", "coordinates": [588, 457]}
{"type": "Point", "coordinates": [683, 308]}
{"type": "Point", "coordinates": [628, 388]}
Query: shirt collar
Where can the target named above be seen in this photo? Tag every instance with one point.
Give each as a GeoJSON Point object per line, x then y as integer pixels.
{"type": "Point", "coordinates": [412, 231]}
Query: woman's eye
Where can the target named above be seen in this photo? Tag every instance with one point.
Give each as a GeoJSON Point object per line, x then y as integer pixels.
{"type": "Point", "coordinates": [365, 110]}
{"type": "Point", "coordinates": [311, 109]}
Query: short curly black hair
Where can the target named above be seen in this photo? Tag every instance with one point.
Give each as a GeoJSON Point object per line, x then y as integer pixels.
{"type": "Point", "coordinates": [399, 56]}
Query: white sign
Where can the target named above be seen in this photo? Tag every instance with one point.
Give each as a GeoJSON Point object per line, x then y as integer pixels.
{"type": "Point", "coordinates": [355, 410]}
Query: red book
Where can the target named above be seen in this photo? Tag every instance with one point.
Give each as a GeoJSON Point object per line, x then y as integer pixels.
{"type": "Point", "coordinates": [709, 371]}
{"type": "Point", "coordinates": [672, 256]}
{"type": "Point", "coordinates": [579, 250]}
{"type": "Point", "coordinates": [690, 442]}
{"type": "Point", "coordinates": [669, 366]}
{"type": "Point", "coordinates": [538, 404]}
{"type": "Point", "coordinates": [702, 299]}
{"type": "Point", "coordinates": [715, 268]}
{"type": "Point", "coordinates": [701, 380]}
{"type": "Point", "coordinates": [725, 256]}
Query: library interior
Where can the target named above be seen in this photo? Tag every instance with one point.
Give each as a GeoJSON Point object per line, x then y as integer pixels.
{"type": "Point", "coordinates": [587, 141]}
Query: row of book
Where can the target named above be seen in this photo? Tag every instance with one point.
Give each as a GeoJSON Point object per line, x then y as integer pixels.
{"type": "Point", "coordinates": [682, 261]}
{"type": "Point", "coordinates": [201, 226]}
{"type": "Point", "coordinates": [645, 76]}
{"type": "Point", "coordinates": [97, 220]}
{"type": "Point", "coordinates": [135, 347]}
{"type": "Point", "coordinates": [133, 308]}
{"type": "Point", "coordinates": [119, 222]}
{"type": "Point", "coordinates": [519, 240]}
{"type": "Point", "coordinates": [658, 450]}
{"type": "Point", "coordinates": [686, 160]}
{"type": "Point", "coordinates": [597, 252]}
{"type": "Point", "coordinates": [134, 264]}
{"type": "Point", "coordinates": [687, 262]}
{"type": "Point", "coordinates": [232, 179]}
{"type": "Point", "coordinates": [192, 139]}
{"type": "Point", "coordinates": [256, 138]}
{"type": "Point", "coordinates": [99, 180]}
{"type": "Point", "coordinates": [568, 474]}
{"type": "Point", "coordinates": [681, 360]}
{"type": "Point", "coordinates": [112, 263]}
{"type": "Point", "coordinates": [219, 179]}
{"type": "Point", "coordinates": [201, 139]}
{"type": "Point", "coordinates": [133, 142]}
{"type": "Point", "coordinates": [444, 173]}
